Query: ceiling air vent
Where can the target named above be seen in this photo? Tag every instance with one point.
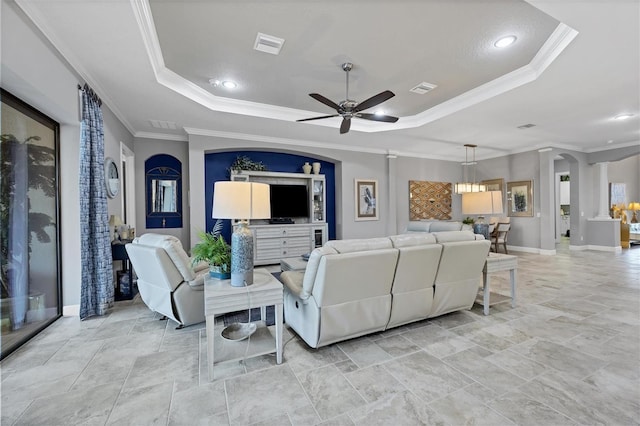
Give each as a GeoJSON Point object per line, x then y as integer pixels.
{"type": "Point", "coordinates": [423, 88]}
{"type": "Point", "coordinates": [268, 44]}
{"type": "Point", "coordinates": [160, 124]}
{"type": "Point", "coordinates": [526, 126]}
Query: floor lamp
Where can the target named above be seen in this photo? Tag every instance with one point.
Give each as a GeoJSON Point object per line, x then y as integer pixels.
{"type": "Point", "coordinates": [243, 201]}
{"type": "Point", "coordinates": [482, 203]}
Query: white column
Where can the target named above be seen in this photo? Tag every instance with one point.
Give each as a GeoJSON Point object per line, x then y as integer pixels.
{"type": "Point", "coordinates": [603, 205]}
{"type": "Point", "coordinates": [392, 221]}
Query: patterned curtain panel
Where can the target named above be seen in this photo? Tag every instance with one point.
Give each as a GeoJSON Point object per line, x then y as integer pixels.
{"type": "Point", "coordinates": [97, 292]}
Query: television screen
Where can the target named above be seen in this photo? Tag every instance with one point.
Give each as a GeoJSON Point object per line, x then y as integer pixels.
{"type": "Point", "coordinates": [289, 201]}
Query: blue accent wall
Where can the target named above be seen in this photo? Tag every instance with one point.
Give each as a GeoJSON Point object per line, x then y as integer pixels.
{"type": "Point", "coordinates": [216, 167]}
{"type": "Point", "coordinates": [163, 167]}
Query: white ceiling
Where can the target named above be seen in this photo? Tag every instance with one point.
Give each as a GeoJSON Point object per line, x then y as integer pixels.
{"type": "Point", "coordinates": [574, 67]}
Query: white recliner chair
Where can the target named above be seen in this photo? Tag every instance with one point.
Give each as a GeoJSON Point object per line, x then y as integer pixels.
{"type": "Point", "coordinates": [167, 282]}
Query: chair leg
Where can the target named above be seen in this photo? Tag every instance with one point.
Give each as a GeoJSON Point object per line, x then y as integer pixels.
{"type": "Point", "coordinates": [180, 327]}
{"type": "Point", "coordinates": [163, 318]}
{"type": "Point", "coordinates": [505, 247]}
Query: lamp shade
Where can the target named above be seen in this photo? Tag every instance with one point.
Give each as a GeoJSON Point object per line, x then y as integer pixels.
{"type": "Point", "coordinates": [241, 200]}
{"type": "Point", "coordinates": [634, 206]}
{"type": "Point", "coordinates": [114, 220]}
{"type": "Point", "coordinates": [481, 203]}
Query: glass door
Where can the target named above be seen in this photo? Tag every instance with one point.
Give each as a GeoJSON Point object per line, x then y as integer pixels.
{"type": "Point", "coordinates": [31, 296]}
{"type": "Point", "coordinates": [318, 200]}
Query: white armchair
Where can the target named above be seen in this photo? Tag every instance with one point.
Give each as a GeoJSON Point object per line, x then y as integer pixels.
{"type": "Point", "coordinates": [167, 282]}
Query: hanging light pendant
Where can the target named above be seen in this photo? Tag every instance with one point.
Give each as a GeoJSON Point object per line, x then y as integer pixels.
{"type": "Point", "coordinates": [466, 185]}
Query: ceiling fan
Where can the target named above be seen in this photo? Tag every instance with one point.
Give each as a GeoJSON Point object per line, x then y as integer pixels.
{"type": "Point", "coordinates": [348, 108]}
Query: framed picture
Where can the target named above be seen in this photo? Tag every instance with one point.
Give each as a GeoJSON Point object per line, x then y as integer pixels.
{"type": "Point", "coordinates": [494, 185]}
{"type": "Point", "coordinates": [520, 198]}
{"type": "Point", "coordinates": [366, 202]}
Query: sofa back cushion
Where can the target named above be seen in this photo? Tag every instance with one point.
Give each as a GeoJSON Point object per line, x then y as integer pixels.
{"type": "Point", "coordinates": [452, 236]}
{"type": "Point", "coordinates": [439, 226]}
{"type": "Point", "coordinates": [312, 269]}
{"type": "Point", "coordinates": [346, 277]}
{"type": "Point", "coordinates": [154, 266]}
{"type": "Point", "coordinates": [418, 226]}
{"type": "Point", "coordinates": [173, 247]}
{"type": "Point", "coordinates": [410, 240]}
{"type": "Point", "coordinates": [356, 245]}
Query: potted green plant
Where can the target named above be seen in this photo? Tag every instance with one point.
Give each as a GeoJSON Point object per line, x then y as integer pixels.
{"type": "Point", "coordinates": [214, 250]}
{"type": "Point", "coordinates": [469, 221]}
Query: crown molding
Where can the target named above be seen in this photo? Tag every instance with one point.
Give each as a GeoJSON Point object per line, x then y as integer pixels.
{"type": "Point", "coordinates": [559, 39]}
{"type": "Point", "coordinates": [40, 23]}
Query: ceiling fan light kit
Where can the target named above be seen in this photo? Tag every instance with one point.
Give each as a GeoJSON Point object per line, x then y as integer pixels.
{"type": "Point", "coordinates": [348, 109]}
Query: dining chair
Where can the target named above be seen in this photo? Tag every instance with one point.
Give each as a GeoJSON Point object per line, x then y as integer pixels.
{"type": "Point", "coordinates": [500, 236]}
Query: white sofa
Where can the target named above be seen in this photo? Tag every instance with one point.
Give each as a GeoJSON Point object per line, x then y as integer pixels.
{"type": "Point", "coordinates": [355, 287]}
{"type": "Point", "coordinates": [167, 282]}
{"type": "Point", "coordinates": [436, 226]}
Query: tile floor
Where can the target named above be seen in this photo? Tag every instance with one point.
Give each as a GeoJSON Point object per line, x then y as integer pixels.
{"type": "Point", "coordinates": [568, 354]}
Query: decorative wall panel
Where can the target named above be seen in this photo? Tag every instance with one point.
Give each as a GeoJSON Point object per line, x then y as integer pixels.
{"type": "Point", "coordinates": [429, 200]}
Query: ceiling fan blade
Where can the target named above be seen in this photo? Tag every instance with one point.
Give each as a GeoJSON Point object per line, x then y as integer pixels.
{"type": "Point", "coordinates": [345, 126]}
{"type": "Point", "coordinates": [374, 100]}
{"type": "Point", "coordinates": [376, 117]}
{"type": "Point", "coordinates": [328, 102]}
{"type": "Point", "coordinates": [318, 118]}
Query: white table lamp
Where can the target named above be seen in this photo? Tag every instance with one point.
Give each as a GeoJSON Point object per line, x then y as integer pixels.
{"type": "Point", "coordinates": [482, 203]}
{"type": "Point", "coordinates": [243, 201]}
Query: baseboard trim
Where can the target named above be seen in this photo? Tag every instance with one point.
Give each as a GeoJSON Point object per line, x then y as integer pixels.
{"type": "Point", "coordinates": [531, 250]}
{"type": "Point", "coordinates": [71, 311]}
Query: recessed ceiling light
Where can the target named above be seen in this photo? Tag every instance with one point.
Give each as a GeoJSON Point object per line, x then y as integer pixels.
{"type": "Point", "coordinates": [623, 116]}
{"type": "Point", "coordinates": [379, 112]}
{"type": "Point", "coordinates": [505, 41]}
{"type": "Point", "coordinates": [610, 141]}
{"type": "Point", "coordinates": [227, 84]}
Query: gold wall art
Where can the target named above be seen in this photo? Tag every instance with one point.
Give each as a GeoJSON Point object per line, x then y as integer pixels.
{"type": "Point", "coordinates": [429, 200]}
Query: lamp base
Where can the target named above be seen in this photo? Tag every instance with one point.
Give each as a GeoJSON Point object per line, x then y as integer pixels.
{"type": "Point", "coordinates": [482, 229]}
{"type": "Point", "coordinates": [241, 256]}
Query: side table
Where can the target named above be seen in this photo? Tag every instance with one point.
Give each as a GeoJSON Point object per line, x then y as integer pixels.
{"type": "Point", "coordinates": [221, 298]}
{"type": "Point", "coordinates": [498, 262]}
{"type": "Point", "coordinates": [119, 252]}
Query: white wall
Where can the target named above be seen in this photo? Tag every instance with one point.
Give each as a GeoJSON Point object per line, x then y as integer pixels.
{"type": "Point", "coordinates": [35, 72]}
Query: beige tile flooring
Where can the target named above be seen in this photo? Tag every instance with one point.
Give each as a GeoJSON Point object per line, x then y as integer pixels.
{"type": "Point", "coordinates": [569, 353]}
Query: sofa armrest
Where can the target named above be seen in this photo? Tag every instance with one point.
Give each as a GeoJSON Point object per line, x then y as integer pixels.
{"type": "Point", "coordinates": [198, 282]}
{"type": "Point", "coordinates": [292, 280]}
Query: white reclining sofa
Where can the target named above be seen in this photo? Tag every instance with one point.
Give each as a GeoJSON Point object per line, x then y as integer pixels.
{"type": "Point", "coordinates": [355, 287]}
{"type": "Point", "coordinates": [167, 282]}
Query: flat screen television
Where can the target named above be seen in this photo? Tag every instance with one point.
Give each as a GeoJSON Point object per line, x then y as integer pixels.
{"type": "Point", "coordinates": [289, 201]}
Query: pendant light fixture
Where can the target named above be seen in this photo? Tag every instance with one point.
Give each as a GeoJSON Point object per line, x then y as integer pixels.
{"type": "Point", "coordinates": [466, 185]}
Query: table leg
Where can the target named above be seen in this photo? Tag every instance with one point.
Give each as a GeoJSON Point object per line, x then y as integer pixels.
{"type": "Point", "coordinates": [279, 333]}
{"type": "Point", "coordinates": [485, 292]}
{"type": "Point", "coordinates": [210, 337]}
{"type": "Point", "coordinates": [512, 274]}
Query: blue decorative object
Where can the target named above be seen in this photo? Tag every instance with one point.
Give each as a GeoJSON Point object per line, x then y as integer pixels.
{"type": "Point", "coordinates": [241, 256]}
{"type": "Point", "coordinates": [482, 229]}
{"type": "Point", "coordinates": [220, 275]}
{"type": "Point", "coordinates": [97, 292]}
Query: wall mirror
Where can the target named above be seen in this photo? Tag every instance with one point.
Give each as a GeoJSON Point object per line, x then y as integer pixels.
{"type": "Point", "coordinates": [164, 191]}
{"type": "Point", "coordinates": [111, 177]}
